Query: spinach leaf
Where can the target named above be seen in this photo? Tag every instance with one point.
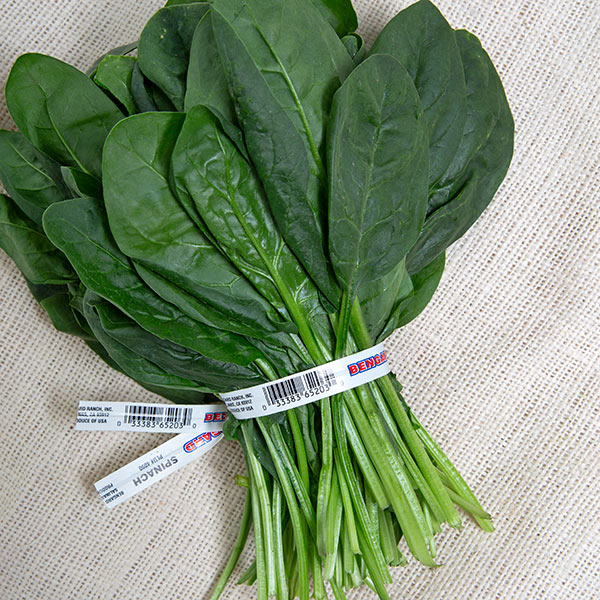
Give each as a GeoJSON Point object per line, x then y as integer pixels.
{"type": "Point", "coordinates": [147, 96]}
{"type": "Point", "coordinates": [164, 48]}
{"type": "Point", "coordinates": [339, 14]}
{"type": "Point", "coordinates": [206, 82]}
{"type": "Point", "coordinates": [60, 111]}
{"type": "Point", "coordinates": [222, 188]}
{"type": "Point", "coordinates": [289, 62]}
{"type": "Point", "coordinates": [56, 301]}
{"type": "Point", "coordinates": [414, 296]}
{"type": "Point", "coordinates": [80, 184]}
{"type": "Point", "coordinates": [131, 363]}
{"type": "Point", "coordinates": [175, 359]}
{"type": "Point", "coordinates": [484, 100]}
{"type": "Point", "coordinates": [24, 241]}
{"type": "Point", "coordinates": [377, 161]}
{"type": "Point", "coordinates": [114, 75]}
{"type": "Point", "coordinates": [137, 158]}
{"type": "Point", "coordinates": [123, 50]}
{"type": "Point", "coordinates": [31, 178]}
{"type": "Point", "coordinates": [421, 39]}
{"type": "Point", "coordinates": [80, 229]}
{"type": "Point", "coordinates": [355, 46]}
{"type": "Point", "coordinates": [378, 299]}
{"type": "Point", "coordinates": [483, 176]}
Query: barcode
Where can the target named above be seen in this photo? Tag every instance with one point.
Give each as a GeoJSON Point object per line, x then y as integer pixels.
{"type": "Point", "coordinates": [308, 383]}
{"type": "Point", "coordinates": [156, 415]}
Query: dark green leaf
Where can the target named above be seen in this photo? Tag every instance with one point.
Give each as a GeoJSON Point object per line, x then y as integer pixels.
{"type": "Point", "coordinates": [484, 100]}
{"type": "Point", "coordinates": [56, 301]}
{"type": "Point", "coordinates": [131, 363]}
{"type": "Point", "coordinates": [421, 39]}
{"type": "Point", "coordinates": [411, 301]}
{"type": "Point", "coordinates": [206, 82]}
{"type": "Point", "coordinates": [137, 160]}
{"type": "Point", "coordinates": [355, 46]}
{"type": "Point", "coordinates": [147, 96]}
{"type": "Point", "coordinates": [25, 242]}
{"type": "Point", "coordinates": [79, 227]}
{"type": "Point", "coordinates": [80, 184]}
{"type": "Point", "coordinates": [114, 75]}
{"type": "Point", "coordinates": [339, 14]}
{"type": "Point", "coordinates": [164, 48]}
{"type": "Point", "coordinates": [378, 299]}
{"type": "Point", "coordinates": [173, 358]}
{"type": "Point", "coordinates": [483, 176]}
{"type": "Point", "coordinates": [118, 51]}
{"type": "Point", "coordinates": [31, 178]}
{"type": "Point", "coordinates": [283, 67]}
{"type": "Point", "coordinates": [377, 158]}
{"type": "Point", "coordinates": [60, 111]}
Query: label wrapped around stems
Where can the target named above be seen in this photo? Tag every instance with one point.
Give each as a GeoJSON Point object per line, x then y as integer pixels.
{"type": "Point", "coordinates": [155, 418]}
{"type": "Point", "coordinates": [308, 386]}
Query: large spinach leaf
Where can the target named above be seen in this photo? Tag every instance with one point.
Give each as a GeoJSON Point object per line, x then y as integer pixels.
{"type": "Point", "coordinates": [222, 189]}
{"type": "Point", "coordinates": [377, 156]}
{"type": "Point", "coordinates": [421, 39]}
{"type": "Point", "coordinates": [25, 242]}
{"type": "Point", "coordinates": [480, 181]}
{"type": "Point", "coordinates": [484, 100]}
{"type": "Point", "coordinates": [32, 179]}
{"type": "Point", "coordinates": [80, 229]}
{"type": "Point", "coordinates": [283, 67]}
{"type": "Point", "coordinates": [137, 158]}
{"type": "Point", "coordinates": [164, 48]}
{"type": "Point", "coordinates": [60, 111]}
{"type": "Point", "coordinates": [114, 75]}
{"type": "Point", "coordinates": [206, 82]}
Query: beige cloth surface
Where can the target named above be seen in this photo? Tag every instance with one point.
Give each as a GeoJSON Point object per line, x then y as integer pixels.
{"type": "Point", "coordinates": [502, 367]}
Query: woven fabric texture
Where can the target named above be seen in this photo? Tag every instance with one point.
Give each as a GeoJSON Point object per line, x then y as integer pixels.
{"type": "Point", "coordinates": [503, 367]}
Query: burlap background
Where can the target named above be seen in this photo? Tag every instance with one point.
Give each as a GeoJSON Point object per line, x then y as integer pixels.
{"type": "Point", "coordinates": [503, 366]}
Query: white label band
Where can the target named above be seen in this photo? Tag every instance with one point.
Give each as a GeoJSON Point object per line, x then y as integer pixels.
{"type": "Point", "coordinates": [155, 465]}
{"type": "Point", "coordinates": [308, 386]}
{"type": "Point", "coordinates": [157, 418]}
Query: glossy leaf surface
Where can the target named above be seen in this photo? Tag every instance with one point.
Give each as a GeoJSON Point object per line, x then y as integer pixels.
{"type": "Point", "coordinates": [164, 48]}
{"type": "Point", "coordinates": [32, 179]}
{"type": "Point", "coordinates": [137, 159]}
{"type": "Point", "coordinates": [421, 39]}
{"type": "Point", "coordinates": [80, 229]}
{"type": "Point", "coordinates": [377, 159]}
{"type": "Point", "coordinates": [25, 242]}
{"type": "Point", "coordinates": [60, 111]}
{"type": "Point", "coordinates": [289, 63]}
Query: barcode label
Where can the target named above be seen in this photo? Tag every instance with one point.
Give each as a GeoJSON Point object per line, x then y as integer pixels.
{"type": "Point", "coordinates": [173, 416]}
{"type": "Point", "coordinates": [311, 385]}
{"type": "Point", "coordinates": [159, 418]}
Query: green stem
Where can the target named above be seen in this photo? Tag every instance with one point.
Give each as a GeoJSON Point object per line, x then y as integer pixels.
{"type": "Point", "coordinates": [301, 460]}
{"type": "Point", "coordinates": [234, 557]}
{"type": "Point", "coordinates": [282, 588]}
{"type": "Point", "coordinates": [446, 466]}
{"type": "Point", "coordinates": [262, 503]}
{"type": "Point", "coordinates": [414, 444]}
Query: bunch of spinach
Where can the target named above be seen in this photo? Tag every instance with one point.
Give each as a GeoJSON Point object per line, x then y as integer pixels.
{"type": "Point", "coordinates": [250, 195]}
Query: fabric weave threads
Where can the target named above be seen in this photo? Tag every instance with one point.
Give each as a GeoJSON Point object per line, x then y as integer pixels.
{"type": "Point", "coordinates": [503, 367]}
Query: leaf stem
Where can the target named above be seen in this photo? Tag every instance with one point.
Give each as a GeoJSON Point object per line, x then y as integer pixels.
{"type": "Point", "coordinates": [240, 542]}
